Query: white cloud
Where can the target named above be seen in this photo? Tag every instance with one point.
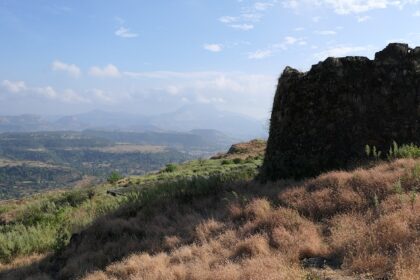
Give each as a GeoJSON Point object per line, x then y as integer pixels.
{"type": "Point", "coordinates": [416, 14]}
{"type": "Point", "coordinates": [340, 51]}
{"type": "Point", "coordinates": [213, 47]}
{"type": "Point", "coordinates": [46, 91]}
{"type": "Point", "coordinates": [66, 96]}
{"type": "Point", "coordinates": [160, 91]}
{"type": "Point", "coordinates": [14, 86]}
{"type": "Point", "coordinates": [290, 40]}
{"type": "Point", "coordinates": [173, 90]}
{"type": "Point", "coordinates": [100, 95]}
{"type": "Point", "coordinates": [299, 29]}
{"type": "Point", "coordinates": [170, 75]}
{"type": "Point", "coordinates": [125, 33]}
{"type": "Point", "coordinates": [325, 32]}
{"type": "Point", "coordinates": [262, 6]}
{"type": "Point", "coordinates": [235, 91]}
{"type": "Point", "coordinates": [251, 16]}
{"type": "Point", "coordinates": [110, 71]}
{"type": "Point", "coordinates": [260, 54]}
{"type": "Point", "coordinates": [248, 15]}
{"type": "Point", "coordinates": [184, 81]}
{"type": "Point", "coordinates": [270, 50]}
{"type": "Point", "coordinates": [292, 4]}
{"type": "Point", "coordinates": [350, 6]}
{"type": "Point", "coordinates": [363, 18]}
{"type": "Point", "coordinates": [356, 6]}
{"type": "Point", "coordinates": [228, 19]}
{"type": "Point", "coordinates": [244, 26]}
{"type": "Point", "coordinates": [71, 69]}
{"type": "Point", "coordinates": [71, 96]}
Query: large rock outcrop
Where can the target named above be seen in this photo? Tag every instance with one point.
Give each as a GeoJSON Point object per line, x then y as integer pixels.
{"type": "Point", "coordinates": [322, 119]}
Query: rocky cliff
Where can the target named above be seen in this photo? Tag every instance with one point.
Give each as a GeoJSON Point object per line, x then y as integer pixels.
{"type": "Point", "coordinates": [322, 119]}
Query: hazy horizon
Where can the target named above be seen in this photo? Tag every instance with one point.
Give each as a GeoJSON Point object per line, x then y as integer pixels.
{"type": "Point", "coordinates": [133, 114]}
{"type": "Point", "coordinates": [65, 58]}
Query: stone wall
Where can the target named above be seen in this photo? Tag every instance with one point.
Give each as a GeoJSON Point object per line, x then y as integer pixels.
{"type": "Point", "coordinates": [322, 119]}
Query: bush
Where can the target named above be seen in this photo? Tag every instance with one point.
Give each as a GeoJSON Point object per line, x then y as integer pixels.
{"type": "Point", "coordinates": [171, 167]}
{"type": "Point", "coordinates": [114, 177]}
{"type": "Point", "coordinates": [22, 240]}
{"type": "Point", "coordinates": [227, 161]}
{"type": "Point", "coordinates": [73, 198]}
{"type": "Point", "coordinates": [405, 151]}
{"type": "Point", "coordinates": [237, 161]}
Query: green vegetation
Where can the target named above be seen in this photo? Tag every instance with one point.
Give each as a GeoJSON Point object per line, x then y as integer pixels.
{"type": "Point", "coordinates": [204, 211]}
{"type": "Point", "coordinates": [404, 151]}
{"type": "Point", "coordinates": [34, 162]}
{"type": "Point", "coordinates": [114, 177]}
{"type": "Point", "coordinates": [373, 152]}
{"type": "Point", "coordinates": [194, 168]}
{"type": "Point", "coordinates": [46, 222]}
{"type": "Point", "coordinates": [170, 167]}
{"type": "Point", "coordinates": [395, 151]}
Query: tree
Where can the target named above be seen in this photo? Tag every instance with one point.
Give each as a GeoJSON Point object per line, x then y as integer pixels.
{"type": "Point", "coordinates": [114, 177]}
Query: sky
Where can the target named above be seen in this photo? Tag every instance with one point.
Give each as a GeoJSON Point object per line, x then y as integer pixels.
{"type": "Point", "coordinates": [150, 57]}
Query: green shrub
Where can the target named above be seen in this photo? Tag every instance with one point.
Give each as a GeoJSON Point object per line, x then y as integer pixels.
{"type": "Point", "coordinates": [238, 161]}
{"type": "Point", "coordinates": [404, 151]}
{"type": "Point", "coordinates": [227, 161]}
{"type": "Point", "coordinates": [395, 151]}
{"type": "Point", "coordinates": [171, 167]}
{"type": "Point", "coordinates": [39, 212]}
{"type": "Point", "coordinates": [22, 240]}
{"type": "Point", "coordinates": [62, 238]}
{"type": "Point", "coordinates": [46, 224]}
{"type": "Point", "coordinates": [186, 188]}
{"type": "Point", "coordinates": [373, 152]}
{"type": "Point", "coordinates": [249, 160]}
{"type": "Point", "coordinates": [73, 198]}
{"type": "Point", "coordinates": [114, 177]}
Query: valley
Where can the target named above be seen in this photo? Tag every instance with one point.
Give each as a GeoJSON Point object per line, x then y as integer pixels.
{"type": "Point", "coordinates": [32, 162]}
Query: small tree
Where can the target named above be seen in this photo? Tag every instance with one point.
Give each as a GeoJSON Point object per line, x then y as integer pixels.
{"type": "Point", "coordinates": [114, 177]}
{"type": "Point", "coordinates": [171, 167]}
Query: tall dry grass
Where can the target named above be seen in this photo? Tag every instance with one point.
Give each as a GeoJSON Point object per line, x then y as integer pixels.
{"type": "Point", "coordinates": [367, 221]}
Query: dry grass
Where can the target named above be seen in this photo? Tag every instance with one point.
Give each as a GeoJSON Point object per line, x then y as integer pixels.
{"type": "Point", "coordinates": [26, 268]}
{"type": "Point", "coordinates": [253, 148]}
{"type": "Point", "coordinates": [360, 219]}
{"type": "Point", "coordinates": [252, 259]}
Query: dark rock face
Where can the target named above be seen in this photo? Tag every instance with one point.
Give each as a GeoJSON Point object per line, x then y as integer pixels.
{"type": "Point", "coordinates": [323, 119]}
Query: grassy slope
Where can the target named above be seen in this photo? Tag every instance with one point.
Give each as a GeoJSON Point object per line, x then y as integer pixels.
{"type": "Point", "coordinates": [224, 226]}
{"type": "Point", "coordinates": [45, 222]}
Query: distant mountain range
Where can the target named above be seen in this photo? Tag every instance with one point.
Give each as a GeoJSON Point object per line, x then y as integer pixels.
{"type": "Point", "coordinates": [202, 117]}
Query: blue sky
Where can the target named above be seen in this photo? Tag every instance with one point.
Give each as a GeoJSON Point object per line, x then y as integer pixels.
{"type": "Point", "coordinates": [144, 57]}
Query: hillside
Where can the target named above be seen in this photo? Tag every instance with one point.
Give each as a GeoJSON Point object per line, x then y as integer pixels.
{"type": "Point", "coordinates": [38, 161]}
{"type": "Point", "coordinates": [208, 219]}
